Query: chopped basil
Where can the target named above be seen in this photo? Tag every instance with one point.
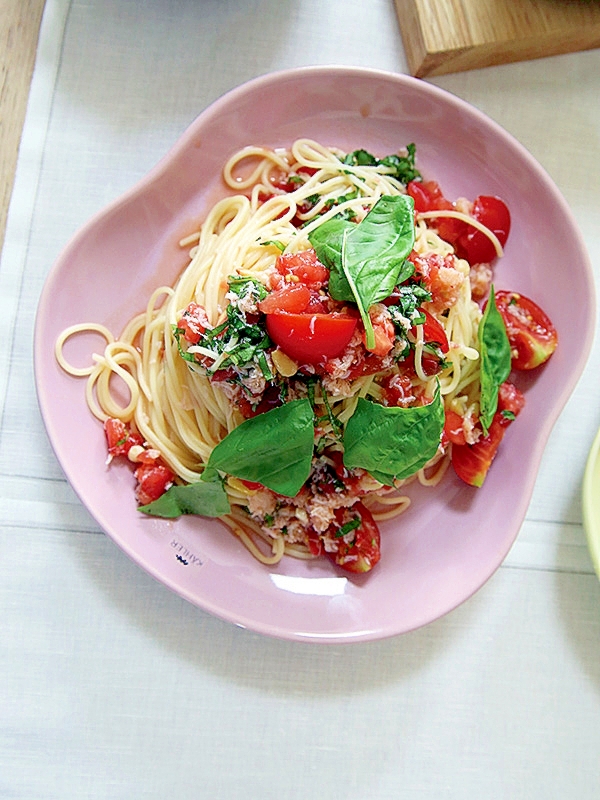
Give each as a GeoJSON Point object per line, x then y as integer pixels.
{"type": "Point", "coordinates": [275, 243]}
{"type": "Point", "coordinates": [235, 342]}
{"type": "Point", "coordinates": [352, 525]}
{"type": "Point", "coordinates": [401, 167]}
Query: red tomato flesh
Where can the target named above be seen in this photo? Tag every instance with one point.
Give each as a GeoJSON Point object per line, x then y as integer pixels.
{"type": "Point", "coordinates": [305, 267]}
{"type": "Point", "coordinates": [475, 246]}
{"type": "Point", "coordinates": [294, 297]}
{"type": "Point", "coordinates": [311, 338]}
{"type": "Point", "coordinates": [193, 322]}
{"type": "Point", "coordinates": [532, 336]}
{"type": "Point", "coordinates": [360, 550]}
{"type": "Point", "coordinates": [471, 462]}
{"type": "Point", "coordinates": [119, 438]}
{"type": "Point", "coordinates": [153, 481]}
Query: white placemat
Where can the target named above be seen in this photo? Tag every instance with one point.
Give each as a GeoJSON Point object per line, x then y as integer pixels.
{"type": "Point", "coordinates": [114, 688]}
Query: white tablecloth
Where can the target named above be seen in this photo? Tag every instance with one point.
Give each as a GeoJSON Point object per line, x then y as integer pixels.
{"type": "Point", "coordinates": [113, 687]}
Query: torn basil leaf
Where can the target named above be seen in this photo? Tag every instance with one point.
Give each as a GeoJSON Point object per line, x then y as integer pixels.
{"type": "Point", "coordinates": [274, 448]}
{"type": "Point", "coordinates": [367, 260]}
{"type": "Point", "coordinates": [495, 360]}
{"type": "Point", "coordinates": [207, 498]}
{"type": "Point", "coordinates": [391, 442]}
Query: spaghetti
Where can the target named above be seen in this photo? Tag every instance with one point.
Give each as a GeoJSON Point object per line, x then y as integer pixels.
{"type": "Point", "coordinates": [208, 354]}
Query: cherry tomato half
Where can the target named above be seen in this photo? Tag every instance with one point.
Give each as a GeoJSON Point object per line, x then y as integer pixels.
{"type": "Point", "coordinates": [311, 338]}
{"type": "Point", "coordinates": [427, 196]}
{"type": "Point", "coordinates": [475, 246]}
{"type": "Point", "coordinates": [532, 336]}
{"type": "Point", "coordinates": [471, 462]}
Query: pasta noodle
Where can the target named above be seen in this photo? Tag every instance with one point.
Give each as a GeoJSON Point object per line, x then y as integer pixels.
{"type": "Point", "coordinates": [182, 407]}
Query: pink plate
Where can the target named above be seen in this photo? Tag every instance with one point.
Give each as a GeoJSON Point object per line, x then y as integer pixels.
{"type": "Point", "coordinates": [453, 537]}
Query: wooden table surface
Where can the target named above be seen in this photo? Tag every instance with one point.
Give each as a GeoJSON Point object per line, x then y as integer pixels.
{"type": "Point", "coordinates": [19, 29]}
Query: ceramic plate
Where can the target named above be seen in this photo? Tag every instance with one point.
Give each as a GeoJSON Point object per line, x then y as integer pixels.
{"type": "Point", "coordinates": [453, 537]}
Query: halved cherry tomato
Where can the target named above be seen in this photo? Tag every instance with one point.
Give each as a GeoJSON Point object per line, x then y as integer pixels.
{"type": "Point", "coordinates": [471, 462]}
{"type": "Point", "coordinates": [363, 551]}
{"type": "Point", "coordinates": [304, 266]}
{"type": "Point", "coordinates": [311, 338]}
{"type": "Point", "coordinates": [119, 437]}
{"type": "Point", "coordinates": [532, 336]}
{"type": "Point", "coordinates": [292, 297]}
{"type": "Point", "coordinates": [427, 196]}
{"type": "Point", "coordinates": [475, 246]}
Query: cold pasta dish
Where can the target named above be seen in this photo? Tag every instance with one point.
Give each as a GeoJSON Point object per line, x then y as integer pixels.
{"type": "Point", "coordinates": [335, 336]}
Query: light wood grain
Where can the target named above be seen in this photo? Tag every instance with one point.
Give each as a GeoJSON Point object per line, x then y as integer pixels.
{"type": "Point", "coordinates": [442, 36]}
{"type": "Point", "coordinates": [19, 30]}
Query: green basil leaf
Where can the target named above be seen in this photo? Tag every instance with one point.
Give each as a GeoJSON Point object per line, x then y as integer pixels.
{"type": "Point", "coordinates": [393, 442]}
{"type": "Point", "coordinates": [327, 241]}
{"type": "Point", "coordinates": [207, 498]}
{"type": "Point", "coordinates": [366, 261]}
{"type": "Point", "coordinates": [274, 448]}
{"type": "Point", "coordinates": [375, 250]}
{"type": "Point", "coordinates": [494, 353]}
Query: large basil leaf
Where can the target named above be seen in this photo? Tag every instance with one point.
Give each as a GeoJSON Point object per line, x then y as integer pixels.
{"type": "Point", "coordinates": [274, 448]}
{"type": "Point", "coordinates": [207, 498]}
{"type": "Point", "coordinates": [393, 442]}
{"type": "Point", "coordinates": [327, 241]}
{"type": "Point", "coordinates": [368, 260]}
{"type": "Point", "coordinates": [495, 360]}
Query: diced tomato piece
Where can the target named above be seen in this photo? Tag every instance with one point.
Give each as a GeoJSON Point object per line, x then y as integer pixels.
{"type": "Point", "coordinates": [434, 333]}
{"type": "Point", "coordinates": [360, 550]}
{"type": "Point", "coordinates": [471, 462]}
{"type": "Point", "coordinates": [153, 481]}
{"type": "Point", "coordinates": [532, 336]}
{"type": "Point", "coordinates": [292, 297]}
{"type": "Point", "coordinates": [315, 543]}
{"type": "Point", "coordinates": [365, 364]}
{"type": "Point", "coordinates": [270, 398]}
{"type": "Point", "coordinates": [311, 338]}
{"type": "Point", "coordinates": [119, 438]}
{"type": "Point", "coordinates": [384, 333]}
{"type": "Point", "coordinates": [252, 485]}
{"type": "Point", "coordinates": [398, 390]}
{"type": "Point", "coordinates": [439, 276]}
{"type": "Point", "coordinates": [194, 322]}
{"type": "Point", "coordinates": [510, 401]}
{"type": "Point", "coordinates": [305, 267]}
{"type": "Point", "coordinates": [453, 427]}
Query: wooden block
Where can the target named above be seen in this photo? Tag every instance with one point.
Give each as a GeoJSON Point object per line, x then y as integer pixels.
{"type": "Point", "coordinates": [442, 36]}
{"type": "Point", "coordinates": [19, 28]}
